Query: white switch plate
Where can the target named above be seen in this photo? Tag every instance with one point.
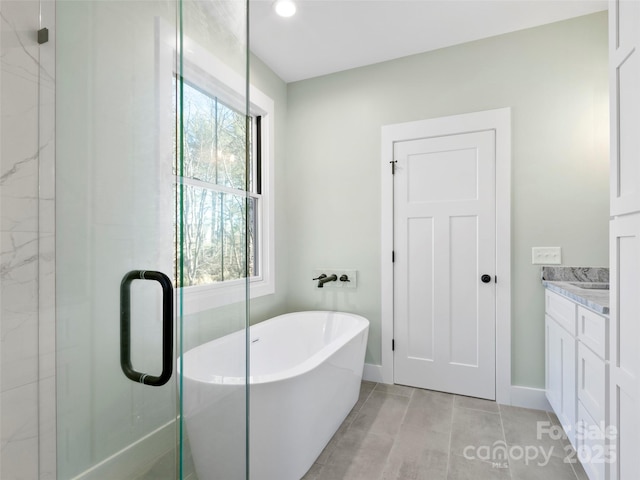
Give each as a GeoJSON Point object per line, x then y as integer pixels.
{"type": "Point", "coordinates": [546, 256]}
{"type": "Point", "coordinates": [351, 274]}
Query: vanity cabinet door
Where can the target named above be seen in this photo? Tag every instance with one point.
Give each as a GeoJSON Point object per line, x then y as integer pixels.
{"type": "Point", "coordinates": [591, 445]}
{"type": "Point", "coordinates": [561, 374]}
{"type": "Point", "coordinates": [592, 383]}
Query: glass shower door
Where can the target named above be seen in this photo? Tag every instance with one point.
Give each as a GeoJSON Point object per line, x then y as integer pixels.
{"type": "Point", "coordinates": [123, 313]}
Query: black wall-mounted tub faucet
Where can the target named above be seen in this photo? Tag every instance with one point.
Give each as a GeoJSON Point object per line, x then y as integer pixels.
{"type": "Point", "coordinates": [322, 279]}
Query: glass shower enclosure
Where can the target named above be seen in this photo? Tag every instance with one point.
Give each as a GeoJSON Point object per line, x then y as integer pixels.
{"type": "Point", "coordinates": [127, 239]}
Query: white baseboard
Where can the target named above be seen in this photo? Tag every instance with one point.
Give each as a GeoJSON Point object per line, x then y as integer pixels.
{"type": "Point", "coordinates": [525, 397]}
{"type": "Point", "coordinates": [528, 397]}
{"type": "Point", "coordinates": [372, 373]}
{"type": "Point", "coordinates": [133, 460]}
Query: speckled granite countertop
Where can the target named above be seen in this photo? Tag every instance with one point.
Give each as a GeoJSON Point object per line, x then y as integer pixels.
{"type": "Point", "coordinates": [570, 282]}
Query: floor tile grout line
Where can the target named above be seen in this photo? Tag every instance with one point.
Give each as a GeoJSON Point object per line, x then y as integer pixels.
{"type": "Point", "coordinates": [453, 410]}
{"type": "Point", "coordinates": [404, 415]}
{"type": "Point", "coordinates": [455, 405]}
{"type": "Point", "coordinates": [350, 424]}
{"type": "Point", "coordinates": [394, 394]}
{"type": "Point", "coordinates": [402, 423]}
{"type": "Point", "coordinates": [573, 468]}
{"type": "Point", "coordinates": [357, 412]}
{"type": "Point", "coordinates": [389, 393]}
{"type": "Point", "coordinates": [395, 437]}
{"type": "Point", "coordinates": [575, 473]}
{"type": "Point", "coordinates": [480, 410]}
{"type": "Point", "coordinates": [368, 396]}
{"type": "Point", "coordinates": [504, 436]}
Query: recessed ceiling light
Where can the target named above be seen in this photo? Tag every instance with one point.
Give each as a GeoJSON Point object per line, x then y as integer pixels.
{"type": "Point", "coordinates": [285, 8]}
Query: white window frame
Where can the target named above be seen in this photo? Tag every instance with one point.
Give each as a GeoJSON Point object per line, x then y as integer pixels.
{"type": "Point", "coordinates": [202, 69]}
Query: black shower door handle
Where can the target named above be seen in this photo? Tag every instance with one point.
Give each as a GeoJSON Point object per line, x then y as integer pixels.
{"type": "Point", "coordinates": [167, 327]}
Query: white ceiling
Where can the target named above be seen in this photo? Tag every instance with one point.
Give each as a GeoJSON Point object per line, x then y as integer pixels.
{"type": "Point", "coordinates": [327, 36]}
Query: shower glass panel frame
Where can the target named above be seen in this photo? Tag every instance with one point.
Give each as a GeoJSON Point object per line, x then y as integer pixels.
{"type": "Point", "coordinates": [120, 236]}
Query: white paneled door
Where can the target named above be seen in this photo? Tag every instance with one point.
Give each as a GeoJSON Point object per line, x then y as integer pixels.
{"type": "Point", "coordinates": [445, 263]}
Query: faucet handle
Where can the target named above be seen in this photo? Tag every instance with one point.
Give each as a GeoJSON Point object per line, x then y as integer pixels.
{"type": "Point", "coordinates": [321, 276]}
{"type": "Point", "coordinates": [344, 278]}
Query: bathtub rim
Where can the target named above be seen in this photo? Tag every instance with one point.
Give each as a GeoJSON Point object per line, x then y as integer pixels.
{"type": "Point", "coordinates": [361, 326]}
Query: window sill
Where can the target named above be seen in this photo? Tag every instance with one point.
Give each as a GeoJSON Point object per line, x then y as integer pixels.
{"type": "Point", "coordinates": [200, 298]}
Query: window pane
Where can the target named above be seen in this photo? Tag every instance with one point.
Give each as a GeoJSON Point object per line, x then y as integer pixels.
{"type": "Point", "coordinates": [214, 140]}
{"type": "Point", "coordinates": [214, 236]}
{"type": "Point", "coordinates": [233, 232]}
{"type": "Point", "coordinates": [202, 244]}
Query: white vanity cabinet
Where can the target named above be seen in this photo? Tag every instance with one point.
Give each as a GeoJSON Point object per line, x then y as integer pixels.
{"type": "Point", "coordinates": [560, 359]}
{"type": "Point", "coordinates": [577, 377]}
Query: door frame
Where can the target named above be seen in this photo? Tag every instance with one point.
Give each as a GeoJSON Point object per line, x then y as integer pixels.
{"type": "Point", "coordinates": [498, 120]}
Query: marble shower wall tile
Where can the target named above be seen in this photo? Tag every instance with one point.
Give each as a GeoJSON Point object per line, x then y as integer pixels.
{"type": "Point", "coordinates": [19, 149]}
{"type": "Point", "coordinates": [19, 308]}
{"type": "Point", "coordinates": [19, 438]}
{"type": "Point", "coordinates": [47, 428]}
{"type": "Point", "coordinates": [27, 226]}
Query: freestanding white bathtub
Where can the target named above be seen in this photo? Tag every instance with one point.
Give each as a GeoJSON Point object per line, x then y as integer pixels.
{"type": "Point", "coordinates": [305, 373]}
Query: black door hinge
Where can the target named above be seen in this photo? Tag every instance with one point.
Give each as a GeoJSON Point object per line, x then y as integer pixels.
{"type": "Point", "coordinates": [496, 279]}
{"type": "Point", "coordinates": [393, 166]}
{"type": "Point", "coordinates": [43, 35]}
{"type": "Point", "coordinates": [393, 256]}
{"type": "Point", "coordinates": [393, 345]}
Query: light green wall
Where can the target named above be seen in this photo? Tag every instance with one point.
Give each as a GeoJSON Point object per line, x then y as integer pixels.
{"type": "Point", "coordinates": [554, 78]}
{"type": "Point", "coordinates": [269, 83]}
{"type": "Point", "coordinates": [210, 324]}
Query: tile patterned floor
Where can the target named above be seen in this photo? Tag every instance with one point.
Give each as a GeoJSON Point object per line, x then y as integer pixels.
{"type": "Point", "coordinates": [403, 433]}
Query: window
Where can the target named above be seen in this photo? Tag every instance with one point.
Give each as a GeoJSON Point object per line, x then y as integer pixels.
{"type": "Point", "coordinates": [215, 202]}
{"type": "Point", "coordinates": [221, 189]}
